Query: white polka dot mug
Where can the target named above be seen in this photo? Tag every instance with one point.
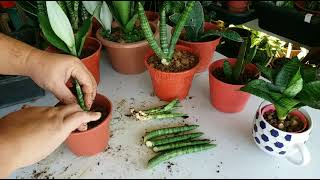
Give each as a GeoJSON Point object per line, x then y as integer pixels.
{"type": "Point", "coordinates": [279, 143]}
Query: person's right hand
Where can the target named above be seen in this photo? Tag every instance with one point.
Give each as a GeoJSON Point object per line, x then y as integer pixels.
{"type": "Point", "coordinates": [32, 133]}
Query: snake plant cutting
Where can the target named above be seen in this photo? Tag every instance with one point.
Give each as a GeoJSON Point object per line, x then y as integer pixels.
{"type": "Point", "coordinates": [166, 50]}
{"type": "Point", "coordinates": [289, 88]}
{"type": "Point", "coordinates": [58, 30]}
{"type": "Point", "coordinates": [194, 26]}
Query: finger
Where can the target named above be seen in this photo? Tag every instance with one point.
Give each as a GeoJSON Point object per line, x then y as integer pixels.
{"type": "Point", "coordinates": [83, 127]}
{"type": "Point", "coordinates": [63, 93]}
{"type": "Point", "coordinates": [73, 121]}
{"type": "Point", "coordinates": [87, 83]}
{"type": "Point", "coordinates": [66, 110]}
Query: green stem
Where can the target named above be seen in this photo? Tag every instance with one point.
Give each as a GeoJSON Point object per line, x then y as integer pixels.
{"type": "Point", "coordinates": [170, 130]}
{"type": "Point", "coordinates": [79, 95]}
{"type": "Point", "coordinates": [167, 140]}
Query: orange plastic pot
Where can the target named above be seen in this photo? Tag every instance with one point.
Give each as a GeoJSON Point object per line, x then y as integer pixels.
{"type": "Point", "coordinates": [171, 85]}
{"type": "Point", "coordinates": [227, 97]}
{"type": "Point", "coordinates": [91, 62]}
{"type": "Point", "coordinates": [238, 6]}
{"type": "Point", "coordinates": [127, 58]}
{"type": "Point", "coordinates": [204, 49]}
{"type": "Point", "coordinates": [95, 140]}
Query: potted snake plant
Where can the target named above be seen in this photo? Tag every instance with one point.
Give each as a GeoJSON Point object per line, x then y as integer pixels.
{"type": "Point", "coordinates": [171, 67]}
{"type": "Point", "coordinates": [202, 36]}
{"type": "Point", "coordinates": [125, 42]}
{"type": "Point", "coordinates": [57, 29]}
{"type": "Point", "coordinates": [280, 126]}
{"type": "Point", "coordinates": [227, 76]}
{"type": "Point", "coordinates": [78, 17]}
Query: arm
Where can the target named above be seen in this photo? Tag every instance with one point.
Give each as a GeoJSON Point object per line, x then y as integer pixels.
{"type": "Point", "coordinates": [49, 70]}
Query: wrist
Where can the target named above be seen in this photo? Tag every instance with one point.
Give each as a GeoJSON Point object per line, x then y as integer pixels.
{"type": "Point", "coordinates": [33, 61]}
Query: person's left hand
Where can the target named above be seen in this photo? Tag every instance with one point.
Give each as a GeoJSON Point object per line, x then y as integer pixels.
{"type": "Point", "coordinates": [51, 71]}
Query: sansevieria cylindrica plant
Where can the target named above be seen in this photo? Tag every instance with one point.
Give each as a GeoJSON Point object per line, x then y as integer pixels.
{"type": "Point", "coordinates": [58, 31]}
{"type": "Point", "coordinates": [166, 49]}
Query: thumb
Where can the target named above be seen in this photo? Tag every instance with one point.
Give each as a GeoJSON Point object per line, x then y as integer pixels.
{"type": "Point", "coordinates": [75, 120]}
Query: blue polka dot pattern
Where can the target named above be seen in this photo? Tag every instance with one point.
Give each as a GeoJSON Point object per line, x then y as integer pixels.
{"type": "Point", "coordinates": [287, 137]}
{"type": "Point", "coordinates": [268, 148]}
{"type": "Point", "coordinates": [278, 145]}
{"type": "Point", "coordinates": [262, 125]}
{"type": "Point", "coordinates": [282, 152]}
{"type": "Point", "coordinates": [274, 133]}
{"type": "Point", "coordinates": [265, 138]}
{"type": "Point", "coordinates": [255, 128]}
{"type": "Point", "coordinates": [257, 140]}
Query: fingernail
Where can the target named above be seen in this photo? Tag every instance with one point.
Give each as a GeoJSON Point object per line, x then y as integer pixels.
{"type": "Point", "coordinates": [97, 114]}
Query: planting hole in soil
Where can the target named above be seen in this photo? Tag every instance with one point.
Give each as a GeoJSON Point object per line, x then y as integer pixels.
{"type": "Point", "coordinates": [243, 79]}
{"type": "Point", "coordinates": [291, 124]}
{"type": "Point", "coordinates": [181, 61]}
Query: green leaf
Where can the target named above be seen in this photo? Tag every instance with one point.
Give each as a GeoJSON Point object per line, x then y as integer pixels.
{"type": "Point", "coordinates": [310, 94]}
{"type": "Point", "coordinates": [284, 106]}
{"type": "Point", "coordinates": [123, 9]}
{"type": "Point", "coordinates": [269, 73]}
{"type": "Point", "coordinates": [91, 6]}
{"type": "Point", "coordinates": [286, 73]}
{"type": "Point", "coordinates": [295, 85]}
{"type": "Point", "coordinates": [228, 34]}
{"type": "Point", "coordinates": [60, 25]}
{"type": "Point", "coordinates": [82, 34]}
{"type": "Point", "coordinates": [241, 61]}
{"type": "Point", "coordinates": [130, 25]}
{"type": "Point", "coordinates": [227, 69]}
{"type": "Point", "coordinates": [309, 74]}
{"type": "Point", "coordinates": [105, 17]}
{"type": "Point", "coordinates": [51, 37]}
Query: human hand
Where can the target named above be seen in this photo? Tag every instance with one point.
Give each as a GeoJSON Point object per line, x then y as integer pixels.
{"type": "Point", "coordinates": [51, 71]}
{"type": "Point", "coordinates": [32, 133]}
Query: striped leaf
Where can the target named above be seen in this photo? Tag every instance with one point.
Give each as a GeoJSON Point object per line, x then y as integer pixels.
{"type": "Point", "coordinates": [61, 26]}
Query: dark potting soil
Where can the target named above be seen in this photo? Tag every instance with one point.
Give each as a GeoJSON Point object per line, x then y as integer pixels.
{"type": "Point", "coordinates": [291, 124]}
{"type": "Point", "coordinates": [103, 112]}
{"type": "Point", "coordinates": [86, 52]}
{"type": "Point", "coordinates": [118, 36]}
{"type": "Point", "coordinates": [244, 77]}
{"type": "Point", "coordinates": [181, 61]}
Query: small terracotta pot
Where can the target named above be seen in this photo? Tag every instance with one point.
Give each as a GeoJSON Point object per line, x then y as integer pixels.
{"type": "Point", "coordinates": [95, 140]}
{"type": "Point", "coordinates": [153, 17]}
{"type": "Point", "coordinates": [95, 26]}
{"type": "Point", "coordinates": [204, 49]}
{"type": "Point", "coordinates": [227, 97]}
{"type": "Point", "coordinates": [171, 85]}
{"type": "Point", "coordinates": [238, 6]}
{"type": "Point", "coordinates": [127, 58]}
{"type": "Point", "coordinates": [91, 62]}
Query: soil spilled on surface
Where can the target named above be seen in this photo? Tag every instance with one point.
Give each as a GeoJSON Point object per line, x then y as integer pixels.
{"type": "Point", "coordinates": [181, 61]}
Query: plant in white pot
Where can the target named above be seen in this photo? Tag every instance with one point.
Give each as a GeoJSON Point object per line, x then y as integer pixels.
{"type": "Point", "coordinates": [280, 126]}
{"type": "Point", "coordinates": [57, 29]}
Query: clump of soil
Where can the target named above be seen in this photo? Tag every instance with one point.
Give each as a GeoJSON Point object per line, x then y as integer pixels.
{"type": "Point", "coordinates": [120, 37]}
{"type": "Point", "coordinates": [181, 61]}
{"type": "Point", "coordinates": [86, 52]}
{"type": "Point", "coordinates": [244, 78]}
{"type": "Point", "coordinates": [291, 124]}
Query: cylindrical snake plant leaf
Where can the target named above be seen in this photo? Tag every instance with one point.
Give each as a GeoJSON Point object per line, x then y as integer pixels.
{"type": "Point", "coordinates": [163, 31]}
{"type": "Point", "coordinates": [60, 25]}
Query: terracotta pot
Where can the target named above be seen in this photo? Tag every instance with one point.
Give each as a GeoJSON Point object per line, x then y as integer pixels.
{"type": "Point", "coordinates": [95, 26]}
{"type": "Point", "coordinates": [204, 49]}
{"type": "Point", "coordinates": [92, 61]}
{"type": "Point", "coordinates": [127, 58]}
{"type": "Point", "coordinates": [281, 144]}
{"type": "Point", "coordinates": [153, 17]}
{"type": "Point", "coordinates": [301, 5]}
{"type": "Point", "coordinates": [238, 6]}
{"type": "Point", "coordinates": [95, 140]}
{"type": "Point", "coordinates": [227, 97]}
{"type": "Point", "coordinates": [171, 85]}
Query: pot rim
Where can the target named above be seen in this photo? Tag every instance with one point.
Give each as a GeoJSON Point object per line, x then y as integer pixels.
{"type": "Point", "coordinates": [107, 118]}
{"type": "Point", "coordinates": [302, 111]}
{"type": "Point", "coordinates": [125, 45]}
{"type": "Point", "coordinates": [213, 64]}
{"type": "Point", "coordinates": [151, 53]}
{"type": "Point", "coordinates": [198, 43]}
{"type": "Point", "coordinates": [99, 49]}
